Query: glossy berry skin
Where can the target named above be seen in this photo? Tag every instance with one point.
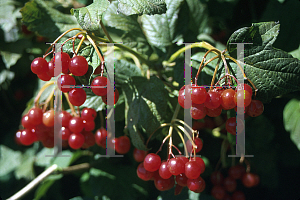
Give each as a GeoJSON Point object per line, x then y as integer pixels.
{"type": "Point", "coordinates": [227, 99]}
{"type": "Point", "coordinates": [76, 124]}
{"type": "Point", "coordinates": [181, 97]}
{"type": "Point", "coordinates": [244, 87]}
{"type": "Point", "coordinates": [192, 169]}
{"type": "Point", "coordinates": [100, 137]}
{"type": "Point", "coordinates": [139, 155]}
{"type": "Point", "coordinates": [35, 116]}
{"type": "Point", "coordinates": [48, 118]}
{"type": "Point", "coordinates": [78, 66]}
{"type": "Point", "coordinates": [198, 95]}
{"type": "Point", "coordinates": [65, 133]}
{"type": "Point", "coordinates": [51, 68]}
{"type": "Point", "coordinates": [116, 98]}
{"type": "Point", "coordinates": [229, 184]}
{"type": "Point", "coordinates": [122, 144]}
{"type": "Point", "coordinates": [143, 173]}
{"type": "Point", "coordinates": [198, 111]}
{"type": "Point", "coordinates": [26, 122]}
{"type": "Point", "coordinates": [200, 163]}
{"type": "Point", "coordinates": [88, 114]}
{"type": "Point", "coordinates": [176, 166]}
{"type": "Point", "coordinates": [76, 140]}
{"type": "Point", "coordinates": [213, 100]}
{"type": "Point", "coordinates": [214, 112]}
{"type": "Point", "coordinates": [256, 108]}
{"type": "Point", "coordinates": [196, 185]}
{"type": "Point", "coordinates": [27, 137]}
{"type": "Point", "coordinates": [242, 98]}
{"type": "Point", "coordinates": [216, 178]}
{"type": "Point", "coordinates": [66, 80]}
{"type": "Point", "coordinates": [236, 171]}
{"type": "Point", "coordinates": [89, 125]}
{"type": "Point", "coordinates": [181, 180]}
{"type": "Point", "coordinates": [44, 76]}
{"type": "Point", "coordinates": [231, 125]}
{"type": "Point", "coordinates": [164, 170]}
{"type": "Point", "coordinates": [89, 139]}
{"type": "Point", "coordinates": [164, 184]}
{"type": "Point", "coordinates": [100, 81]}
{"type": "Point", "coordinates": [152, 162]}
{"type": "Point", "coordinates": [218, 192]}
{"type": "Point", "coordinates": [77, 96]}
{"type": "Point", "coordinates": [65, 117]}
{"type": "Point", "coordinates": [39, 65]}
{"type": "Point", "coordinates": [250, 180]}
{"type": "Point", "coordinates": [198, 142]}
{"type": "Point", "coordinates": [65, 62]}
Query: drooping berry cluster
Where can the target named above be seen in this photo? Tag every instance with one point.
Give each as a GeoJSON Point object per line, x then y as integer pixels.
{"type": "Point", "coordinates": [76, 132]}
{"type": "Point", "coordinates": [225, 187]}
{"type": "Point", "coordinates": [212, 102]}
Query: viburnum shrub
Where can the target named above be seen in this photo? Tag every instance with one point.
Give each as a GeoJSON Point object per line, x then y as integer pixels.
{"type": "Point", "coordinates": [97, 83]}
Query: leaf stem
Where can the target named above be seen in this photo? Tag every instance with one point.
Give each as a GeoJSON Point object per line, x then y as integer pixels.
{"type": "Point", "coordinates": [105, 32]}
{"type": "Point", "coordinates": [38, 96]}
{"type": "Point", "coordinates": [95, 47]}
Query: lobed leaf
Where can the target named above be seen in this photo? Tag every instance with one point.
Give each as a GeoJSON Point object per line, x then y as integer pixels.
{"type": "Point", "coordinates": [273, 71]}
{"type": "Point", "coordinates": [9, 160]}
{"type": "Point", "coordinates": [89, 17]}
{"type": "Point", "coordinates": [140, 7]}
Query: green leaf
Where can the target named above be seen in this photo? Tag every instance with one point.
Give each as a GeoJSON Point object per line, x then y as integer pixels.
{"type": "Point", "coordinates": [273, 71]}
{"type": "Point", "coordinates": [9, 160]}
{"type": "Point", "coordinates": [134, 36]}
{"type": "Point", "coordinates": [40, 17]}
{"type": "Point", "coordinates": [10, 58]}
{"type": "Point", "coordinates": [296, 53]}
{"type": "Point", "coordinates": [43, 188]}
{"type": "Point", "coordinates": [42, 159]}
{"type": "Point", "coordinates": [89, 17]}
{"type": "Point", "coordinates": [125, 69]}
{"type": "Point", "coordinates": [291, 119]}
{"type": "Point", "coordinates": [140, 7]}
{"type": "Point", "coordinates": [25, 169]}
{"type": "Point", "coordinates": [5, 77]}
{"type": "Point", "coordinates": [160, 29]}
{"type": "Point", "coordinates": [146, 106]}
{"type": "Point", "coordinates": [91, 56]}
{"type": "Point", "coordinates": [95, 102]}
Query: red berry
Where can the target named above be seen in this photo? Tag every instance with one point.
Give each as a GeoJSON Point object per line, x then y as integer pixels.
{"type": "Point", "coordinates": [164, 171]}
{"type": "Point", "coordinates": [214, 112]}
{"type": "Point", "coordinates": [26, 122]}
{"type": "Point", "coordinates": [143, 173]}
{"type": "Point", "coordinates": [200, 163]}
{"type": "Point", "coordinates": [256, 108]}
{"type": "Point", "coordinates": [244, 87]}
{"type": "Point", "coordinates": [242, 98]}
{"type": "Point", "coordinates": [152, 162]}
{"type": "Point", "coordinates": [27, 137]}
{"type": "Point", "coordinates": [17, 137]}
{"type": "Point", "coordinates": [181, 97]}
{"type": "Point", "coordinates": [183, 158]}
{"type": "Point", "coordinates": [35, 116]}
{"type": "Point", "coordinates": [198, 111]}
{"type": "Point", "coordinates": [48, 142]}
{"type": "Point", "coordinates": [139, 155]}
{"type": "Point", "coordinates": [44, 76]}
{"type": "Point", "coordinates": [250, 180]}
{"type": "Point", "coordinates": [198, 95]}
{"type": "Point", "coordinates": [236, 171]}
{"type": "Point", "coordinates": [196, 185]}
{"type": "Point", "coordinates": [198, 142]}
{"type": "Point", "coordinates": [65, 133]}
{"type": "Point", "coordinates": [227, 98]}
{"type": "Point", "coordinates": [65, 117]}
{"type": "Point", "coordinates": [181, 179]}
{"type": "Point", "coordinates": [197, 125]}
{"type": "Point", "coordinates": [76, 124]}
{"type": "Point", "coordinates": [102, 83]}
{"type": "Point", "coordinates": [218, 192]}
{"type": "Point", "coordinates": [231, 125]}
{"type": "Point", "coordinates": [116, 98]}
{"type": "Point", "coordinates": [51, 68]}
{"type": "Point", "coordinates": [48, 118]}
{"type": "Point", "coordinates": [88, 114]}
{"type": "Point", "coordinates": [213, 100]}
{"type": "Point", "coordinates": [100, 137]}
{"type": "Point", "coordinates": [176, 166]}
{"type": "Point", "coordinates": [89, 139]}
{"type": "Point", "coordinates": [192, 169]}
{"type": "Point", "coordinates": [76, 140]}
{"type": "Point", "coordinates": [39, 66]}
{"type": "Point", "coordinates": [78, 66]}
{"type": "Point", "coordinates": [89, 125]}
{"type": "Point", "coordinates": [229, 184]}
{"type": "Point", "coordinates": [62, 62]}
{"type": "Point", "coordinates": [77, 96]}
{"type": "Point", "coordinates": [122, 144]}
{"type": "Point", "coordinates": [67, 81]}
{"type": "Point", "coordinates": [164, 184]}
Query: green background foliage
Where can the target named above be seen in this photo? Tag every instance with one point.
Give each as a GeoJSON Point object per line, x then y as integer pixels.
{"type": "Point", "coordinates": [154, 29]}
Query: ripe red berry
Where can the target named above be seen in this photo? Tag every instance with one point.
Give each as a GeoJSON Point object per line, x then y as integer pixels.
{"type": "Point", "coordinates": [164, 171]}
{"type": "Point", "coordinates": [67, 81]}
{"type": "Point", "coordinates": [181, 179]}
{"type": "Point", "coordinates": [152, 162]}
{"type": "Point", "coordinates": [88, 114]}
{"type": "Point", "coordinates": [35, 116]}
{"type": "Point", "coordinates": [27, 137]}
{"type": "Point", "coordinates": [76, 140]}
{"type": "Point", "coordinates": [51, 69]}
{"type": "Point", "coordinates": [198, 142]}
{"type": "Point", "coordinates": [231, 125]}
{"type": "Point", "coordinates": [139, 155]}
{"type": "Point", "coordinates": [26, 122]}
{"type": "Point", "coordinates": [65, 117]}
{"type": "Point", "coordinates": [198, 111]}
{"type": "Point", "coordinates": [164, 184]}
{"type": "Point", "coordinates": [218, 192]}
{"type": "Point", "coordinates": [78, 66]}
{"type": "Point", "coordinates": [227, 99]}
{"type": "Point", "coordinates": [143, 173]}
{"type": "Point", "coordinates": [242, 98]}
{"type": "Point", "coordinates": [100, 137]}
{"type": "Point", "coordinates": [77, 96]}
{"type": "Point", "coordinates": [122, 144]}
{"type": "Point", "coordinates": [214, 112]}
{"type": "Point", "coordinates": [176, 166]}
{"type": "Point", "coordinates": [200, 163]}
{"type": "Point", "coordinates": [116, 98]}
{"type": "Point", "coordinates": [99, 85]}
{"type": "Point", "coordinates": [250, 180]}
{"type": "Point", "coordinates": [198, 95]}
{"type": "Point", "coordinates": [213, 100]}
{"type": "Point", "coordinates": [39, 66]}
{"type": "Point", "coordinates": [244, 87]}
{"type": "Point", "coordinates": [89, 125]}
{"type": "Point", "coordinates": [181, 97]}
{"type": "Point", "coordinates": [65, 133]}
{"type": "Point", "coordinates": [229, 184]}
{"type": "Point", "coordinates": [236, 171]}
{"type": "Point", "coordinates": [44, 76]}
{"type": "Point", "coordinates": [62, 66]}
{"type": "Point", "coordinates": [256, 108]}
{"type": "Point", "coordinates": [196, 185]}
{"type": "Point", "coordinates": [76, 124]}
{"type": "Point", "coordinates": [192, 169]}
{"type": "Point", "coordinates": [89, 139]}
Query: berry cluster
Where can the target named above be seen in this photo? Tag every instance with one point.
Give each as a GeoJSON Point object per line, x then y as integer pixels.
{"type": "Point", "coordinates": [212, 102]}
{"type": "Point", "coordinates": [179, 170]}
{"type": "Point", "coordinates": [77, 66]}
{"type": "Point", "coordinates": [225, 187]}
{"type": "Point", "coordinates": [76, 132]}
